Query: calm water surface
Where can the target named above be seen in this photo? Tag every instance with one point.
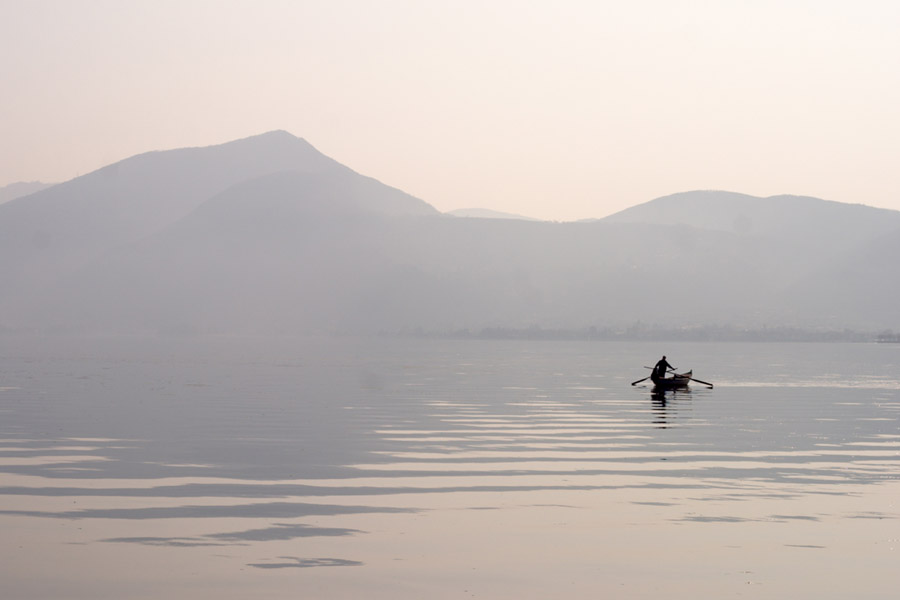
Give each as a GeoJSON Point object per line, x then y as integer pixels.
{"type": "Point", "coordinates": [446, 469]}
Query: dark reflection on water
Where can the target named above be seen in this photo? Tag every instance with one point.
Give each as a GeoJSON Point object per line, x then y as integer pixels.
{"type": "Point", "coordinates": [666, 405]}
{"type": "Point", "coordinates": [293, 562]}
{"type": "Point", "coordinates": [278, 531]}
{"type": "Point", "coordinates": [265, 491]}
{"type": "Point", "coordinates": [269, 510]}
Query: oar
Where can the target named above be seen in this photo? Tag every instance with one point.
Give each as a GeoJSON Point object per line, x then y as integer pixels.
{"type": "Point", "coordinates": [703, 382]}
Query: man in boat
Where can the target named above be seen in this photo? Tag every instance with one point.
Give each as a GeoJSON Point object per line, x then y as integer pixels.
{"type": "Point", "coordinates": [659, 371]}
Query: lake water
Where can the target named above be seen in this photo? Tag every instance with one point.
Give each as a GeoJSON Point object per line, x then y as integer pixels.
{"type": "Point", "coordinates": [403, 469]}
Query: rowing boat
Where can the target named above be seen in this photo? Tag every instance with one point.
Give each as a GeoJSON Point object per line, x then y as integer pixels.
{"type": "Point", "coordinates": [678, 380]}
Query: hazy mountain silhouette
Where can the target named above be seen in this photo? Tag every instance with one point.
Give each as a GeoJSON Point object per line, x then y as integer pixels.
{"type": "Point", "coordinates": [266, 235]}
{"type": "Point", "coordinates": [484, 213]}
{"type": "Point", "coordinates": [136, 196]}
{"type": "Point", "coordinates": [48, 234]}
{"type": "Point", "coordinates": [220, 270]}
{"type": "Point", "coordinates": [271, 254]}
{"type": "Point", "coordinates": [799, 219]}
{"type": "Point", "coordinates": [828, 263]}
{"type": "Point", "coordinates": [857, 290]}
{"type": "Point", "coordinates": [21, 188]}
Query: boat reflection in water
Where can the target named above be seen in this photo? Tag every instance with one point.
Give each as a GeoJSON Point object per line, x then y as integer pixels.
{"type": "Point", "coordinates": [666, 402]}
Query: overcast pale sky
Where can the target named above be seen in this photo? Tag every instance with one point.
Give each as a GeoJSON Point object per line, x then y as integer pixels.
{"type": "Point", "coordinates": [555, 109]}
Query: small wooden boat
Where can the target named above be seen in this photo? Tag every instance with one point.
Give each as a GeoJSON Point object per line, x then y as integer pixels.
{"type": "Point", "coordinates": [678, 380]}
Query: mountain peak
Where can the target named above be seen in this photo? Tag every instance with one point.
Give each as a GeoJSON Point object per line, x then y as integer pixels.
{"type": "Point", "coordinates": [276, 141]}
{"type": "Point", "coordinates": [276, 135]}
{"type": "Point", "coordinates": [145, 193]}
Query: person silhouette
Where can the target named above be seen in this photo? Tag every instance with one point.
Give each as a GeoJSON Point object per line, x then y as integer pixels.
{"type": "Point", "coordinates": [659, 370]}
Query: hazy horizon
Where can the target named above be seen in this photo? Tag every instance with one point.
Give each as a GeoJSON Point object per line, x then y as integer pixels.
{"type": "Point", "coordinates": [556, 111]}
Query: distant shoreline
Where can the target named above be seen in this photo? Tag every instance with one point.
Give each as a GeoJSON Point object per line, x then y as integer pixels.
{"type": "Point", "coordinates": [653, 334]}
{"type": "Point", "coordinates": [631, 334]}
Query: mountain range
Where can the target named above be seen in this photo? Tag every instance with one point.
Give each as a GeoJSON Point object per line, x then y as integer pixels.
{"type": "Point", "coordinates": [21, 188]}
{"type": "Point", "coordinates": [266, 235]}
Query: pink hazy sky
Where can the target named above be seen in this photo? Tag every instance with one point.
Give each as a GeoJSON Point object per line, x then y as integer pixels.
{"type": "Point", "coordinates": [559, 109]}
